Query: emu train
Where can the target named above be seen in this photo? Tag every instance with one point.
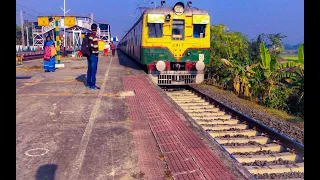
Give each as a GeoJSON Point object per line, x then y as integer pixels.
{"type": "Point", "coordinates": [173, 43]}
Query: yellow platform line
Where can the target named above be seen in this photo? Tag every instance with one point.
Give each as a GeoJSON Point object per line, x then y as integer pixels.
{"type": "Point", "coordinates": [48, 94]}
{"type": "Point", "coordinates": [66, 81]}
{"type": "Point", "coordinates": [116, 95]}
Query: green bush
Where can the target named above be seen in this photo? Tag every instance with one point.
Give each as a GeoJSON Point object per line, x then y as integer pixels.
{"type": "Point", "coordinates": [278, 98]}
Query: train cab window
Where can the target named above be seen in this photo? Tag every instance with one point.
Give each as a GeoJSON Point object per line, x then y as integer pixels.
{"type": "Point", "coordinates": [199, 30]}
{"type": "Point", "coordinates": [155, 30]}
{"type": "Point", "coordinates": [177, 29]}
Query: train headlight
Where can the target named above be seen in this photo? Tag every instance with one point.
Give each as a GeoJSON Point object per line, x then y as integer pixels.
{"type": "Point", "coordinates": [200, 65]}
{"type": "Point", "coordinates": [161, 66]}
{"type": "Point", "coordinates": [178, 8]}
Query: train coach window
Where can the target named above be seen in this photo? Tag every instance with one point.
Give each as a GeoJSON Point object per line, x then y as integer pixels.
{"type": "Point", "coordinates": [155, 30]}
{"type": "Point", "coordinates": [199, 30]}
{"type": "Point", "coordinates": [177, 29]}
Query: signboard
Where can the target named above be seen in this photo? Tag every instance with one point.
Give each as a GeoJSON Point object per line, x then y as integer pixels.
{"type": "Point", "coordinates": [155, 18]}
{"type": "Point", "coordinates": [56, 18]}
{"type": "Point", "coordinates": [43, 21]}
{"type": "Point", "coordinates": [69, 21]}
{"type": "Point", "coordinates": [115, 39]}
{"type": "Point", "coordinates": [201, 19]}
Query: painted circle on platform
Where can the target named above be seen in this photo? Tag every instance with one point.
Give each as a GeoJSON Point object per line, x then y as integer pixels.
{"type": "Point", "coordinates": [36, 152]}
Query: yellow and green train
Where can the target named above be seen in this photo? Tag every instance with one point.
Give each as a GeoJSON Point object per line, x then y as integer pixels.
{"type": "Point", "coordinates": [174, 43]}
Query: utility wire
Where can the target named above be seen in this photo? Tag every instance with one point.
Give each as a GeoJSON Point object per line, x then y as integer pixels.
{"type": "Point", "coordinates": [29, 9]}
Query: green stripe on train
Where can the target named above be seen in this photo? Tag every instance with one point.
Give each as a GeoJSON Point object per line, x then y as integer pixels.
{"type": "Point", "coordinates": [155, 54]}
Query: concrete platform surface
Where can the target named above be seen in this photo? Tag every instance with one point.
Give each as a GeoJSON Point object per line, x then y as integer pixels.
{"type": "Point", "coordinates": [66, 132]}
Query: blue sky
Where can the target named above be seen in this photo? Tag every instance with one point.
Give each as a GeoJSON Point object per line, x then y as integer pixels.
{"type": "Point", "coordinates": [250, 17]}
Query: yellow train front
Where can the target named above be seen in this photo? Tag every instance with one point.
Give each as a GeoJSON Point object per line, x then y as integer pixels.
{"type": "Point", "coordinates": [174, 43]}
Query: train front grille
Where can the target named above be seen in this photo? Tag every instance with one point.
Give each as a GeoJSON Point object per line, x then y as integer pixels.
{"type": "Point", "coordinates": [176, 79]}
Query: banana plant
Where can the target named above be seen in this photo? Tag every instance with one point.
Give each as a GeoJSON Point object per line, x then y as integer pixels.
{"type": "Point", "coordinates": [301, 55]}
{"type": "Point", "coordinates": [241, 76]}
{"type": "Point", "coordinates": [268, 66]}
{"type": "Point", "coordinates": [297, 68]}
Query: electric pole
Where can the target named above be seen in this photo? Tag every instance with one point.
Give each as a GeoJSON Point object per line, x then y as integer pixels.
{"type": "Point", "coordinates": [27, 31]}
{"type": "Point", "coordinates": [64, 26]}
{"type": "Point", "coordinates": [22, 30]}
{"type": "Point", "coordinates": [91, 17]}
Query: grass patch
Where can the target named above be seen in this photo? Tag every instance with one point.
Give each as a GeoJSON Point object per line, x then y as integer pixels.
{"type": "Point", "coordinates": [290, 58]}
{"type": "Point", "coordinates": [29, 68]}
{"type": "Point", "coordinates": [271, 111]}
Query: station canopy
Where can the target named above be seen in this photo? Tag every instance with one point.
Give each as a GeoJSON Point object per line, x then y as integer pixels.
{"type": "Point", "coordinates": [77, 28]}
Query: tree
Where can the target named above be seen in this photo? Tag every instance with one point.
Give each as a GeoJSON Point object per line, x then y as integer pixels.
{"type": "Point", "coordinates": [18, 33]}
{"type": "Point", "coordinates": [276, 42]}
{"type": "Point", "coordinates": [226, 45]}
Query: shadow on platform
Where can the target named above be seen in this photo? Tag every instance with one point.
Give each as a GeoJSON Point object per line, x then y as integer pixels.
{"type": "Point", "coordinates": [46, 172]}
{"type": "Point", "coordinates": [82, 78]}
{"type": "Point", "coordinates": [127, 61]}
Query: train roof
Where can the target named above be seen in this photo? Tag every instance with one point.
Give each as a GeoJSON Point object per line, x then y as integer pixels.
{"type": "Point", "coordinates": [167, 10]}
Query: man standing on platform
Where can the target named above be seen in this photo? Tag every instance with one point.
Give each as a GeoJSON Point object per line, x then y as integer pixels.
{"type": "Point", "coordinates": [93, 58]}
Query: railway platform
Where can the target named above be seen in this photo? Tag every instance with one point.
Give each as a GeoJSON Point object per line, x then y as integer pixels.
{"type": "Point", "coordinates": [127, 129]}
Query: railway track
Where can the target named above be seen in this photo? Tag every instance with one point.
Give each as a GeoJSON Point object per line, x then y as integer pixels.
{"type": "Point", "coordinates": [264, 152]}
{"type": "Point", "coordinates": [32, 57]}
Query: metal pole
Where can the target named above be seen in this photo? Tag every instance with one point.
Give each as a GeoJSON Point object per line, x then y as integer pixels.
{"type": "Point", "coordinates": [58, 42]}
{"type": "Point", "coordinates": [22, 30]}
{"type": "Point", "coordinates": [64, 26]}
{"type": "Point", "coordinates": [109, 33]}
{"type": "Point", "coordinates": [27, 31]}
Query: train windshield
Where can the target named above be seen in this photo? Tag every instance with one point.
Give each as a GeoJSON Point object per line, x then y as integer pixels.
{"type": "Point", "coordinates": [177, 29]}
{"type": "Point", "coordinates": [199, 30]}
{"type": "Point", "coordinates": [155, 30]}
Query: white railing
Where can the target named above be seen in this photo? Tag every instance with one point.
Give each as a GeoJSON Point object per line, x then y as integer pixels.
{"type": "Point", "coordinates": [46, 29]}
{"type": "Point", "coordinates": [86, 24]}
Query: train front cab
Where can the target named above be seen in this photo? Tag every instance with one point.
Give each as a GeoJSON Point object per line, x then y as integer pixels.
{"type": "Point", "coordinates": [176, 47]}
